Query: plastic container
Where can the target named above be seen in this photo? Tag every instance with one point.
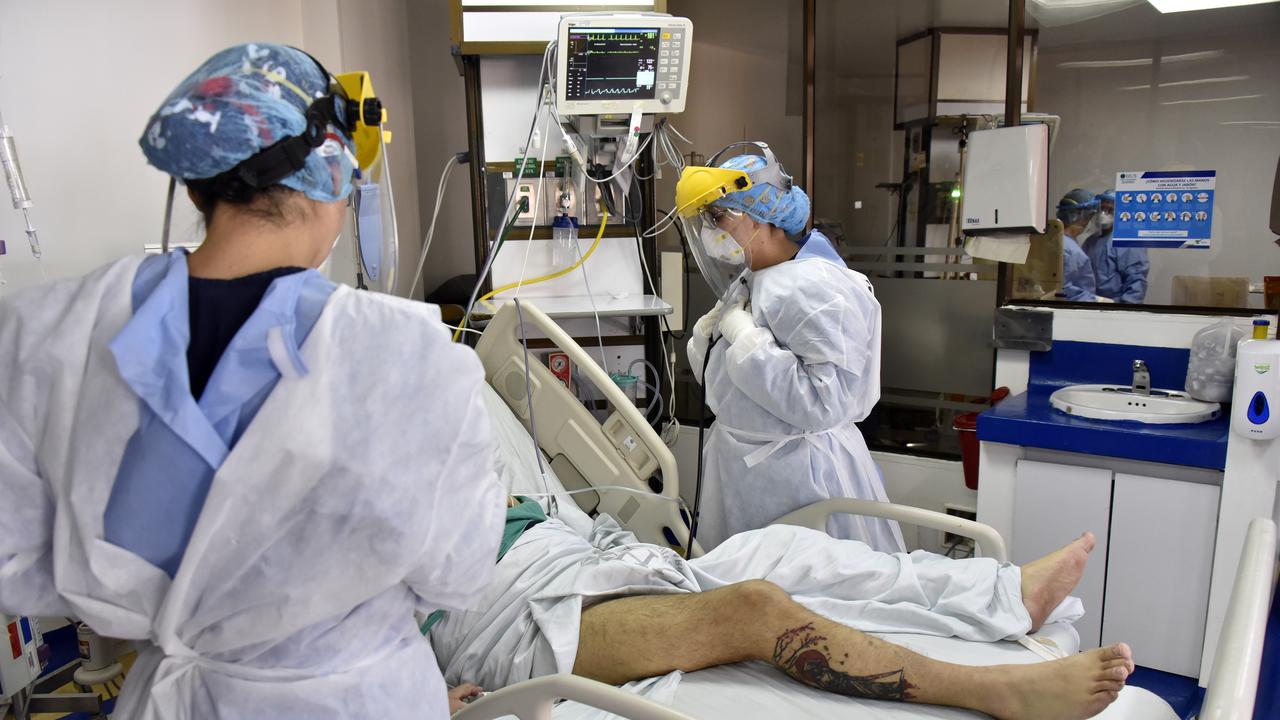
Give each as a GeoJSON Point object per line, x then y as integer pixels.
{"type": "Point", "coordinates": [1261, 328]}
{"type": "Point", "coordinates": [966, 426]}
{"type": "Point", "coordinates": [564, 241]}
{"type": "Point", "coordinates": [629, 384]}
{"type": "Point", "coordinates": [1211, 370]}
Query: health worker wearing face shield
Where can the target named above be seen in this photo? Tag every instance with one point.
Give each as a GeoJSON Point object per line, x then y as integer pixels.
{"type": "Point", "coordinates": [1078, 211]}
{"type": "Point", "coordinates": [791, 355]}
{"type": "Point", "coordinates": [226, 457]}
{"type": "Point", "coordinates": [1120, 272]}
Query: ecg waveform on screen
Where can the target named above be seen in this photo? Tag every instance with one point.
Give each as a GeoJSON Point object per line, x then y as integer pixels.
{"type": "Point", "coordinates": [610, 91]}
{"type": "Point", "coordinates": [606, 64]}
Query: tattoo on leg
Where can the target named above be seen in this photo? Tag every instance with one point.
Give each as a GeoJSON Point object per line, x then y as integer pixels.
{"type": "Point", "coordinates": [799, 652]}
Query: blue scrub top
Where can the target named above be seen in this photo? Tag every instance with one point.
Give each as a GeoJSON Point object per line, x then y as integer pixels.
{"type": "Point", "coordinates": [1078, 283]}
{"type": "Point", "coordinates": [1120, 272]}
{"type": "Point", "coordinates": [815, 244]}
{"type": "Point", "coordinates": [169, 463]}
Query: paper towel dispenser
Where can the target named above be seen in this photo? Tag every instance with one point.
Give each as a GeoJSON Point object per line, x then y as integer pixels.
{"type": "Point", "coordinates": [1006, 180]}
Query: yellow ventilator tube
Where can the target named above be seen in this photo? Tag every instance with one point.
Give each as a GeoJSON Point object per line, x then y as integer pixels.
{"type": "Point", "coordinates": [604, 219]}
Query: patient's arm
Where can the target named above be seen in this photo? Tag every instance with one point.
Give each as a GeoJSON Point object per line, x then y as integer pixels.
{"type": "Point", "coordinates": [637, 637]}
{"type": "Point", "coordinates": [458, 696]}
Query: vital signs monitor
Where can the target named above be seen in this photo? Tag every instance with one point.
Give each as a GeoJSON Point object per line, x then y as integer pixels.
{"type": "Point", "coordinates": [610, 63]}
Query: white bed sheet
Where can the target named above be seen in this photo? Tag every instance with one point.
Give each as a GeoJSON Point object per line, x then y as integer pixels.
{"type": "Point", "coordinates": [755, 690]}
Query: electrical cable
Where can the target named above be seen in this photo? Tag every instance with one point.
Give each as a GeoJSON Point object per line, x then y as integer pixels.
{"type": "Point", "coordinates": [671, 432]}
{"type": "Point", "coordinates": [537, 199]}
{"type": "Point", "coordinates": [453, 162]}
{"type": "Point", "coordinates": [702, 429]}
{"type": "Point", "coordinates": [519, 175]}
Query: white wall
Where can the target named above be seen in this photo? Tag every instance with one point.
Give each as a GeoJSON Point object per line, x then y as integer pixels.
{"type": "Point", "coordinates": [79, 79]}
{"type": "Point", "coordinates": [441, 123]}
{"type": "Point", "coordinates": [1198, 93]}
{"type": "Point", "coordinates": [741, 83]}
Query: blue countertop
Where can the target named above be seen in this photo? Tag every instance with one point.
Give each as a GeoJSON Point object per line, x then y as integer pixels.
{"type": "Point", "coordinates": [1029, 420]}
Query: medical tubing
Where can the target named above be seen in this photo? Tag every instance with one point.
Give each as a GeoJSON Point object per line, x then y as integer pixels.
{"type": "Point", "coordinates": [431, 229]}
{"type": "Point", "coordinates": [656, 398]}
{"type": "Point", "coordinates": [559, 273]}
{"type": "Point", "coordinates": [537, 200]}
{"type": "Point", "coordinates": [597, 488]}
{"type": "Point", "coordinates": [528, 394]}
{"type": "Point", "coordinates": [604, 218]}
{"type": "Point", "coordinates": [671, 433]}
{"type": "Point", "coordinates": [501, 239]}
{"type": "Point", "coordinates": [533, 124]}
{"type": "Point", "coordinates": [586, 281]}
{"type": "Point", "coordinates": [702, 429]}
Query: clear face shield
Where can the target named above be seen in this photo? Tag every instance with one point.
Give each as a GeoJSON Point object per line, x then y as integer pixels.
{"type": "Point", "coordinates": [375, 237]}
{"type": "Point", "coordinates": [720, 240]}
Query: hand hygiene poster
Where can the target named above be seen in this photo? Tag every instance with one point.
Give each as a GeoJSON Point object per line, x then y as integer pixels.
{"type": "Point", "coordinates": [1164, 209]}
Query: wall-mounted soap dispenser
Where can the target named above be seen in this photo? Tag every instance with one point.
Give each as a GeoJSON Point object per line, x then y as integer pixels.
{"type": "Point", "coordinates": [1255, 407]}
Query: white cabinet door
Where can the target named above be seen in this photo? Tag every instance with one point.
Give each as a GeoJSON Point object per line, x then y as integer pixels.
{"type": "Point", "coordinates": [1053, 504]}
{"type": "Point", "coordinates": [1162, 535]}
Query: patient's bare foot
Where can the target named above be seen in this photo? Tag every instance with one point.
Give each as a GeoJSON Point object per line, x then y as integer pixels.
{"type": "Point", "coordinates": [1048, 581]}
{"type": "Point", "coordinates": [1073, 688]}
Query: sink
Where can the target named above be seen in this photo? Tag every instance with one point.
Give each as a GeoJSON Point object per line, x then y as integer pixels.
{"type": "Point", "coordinates": [1114, 402]}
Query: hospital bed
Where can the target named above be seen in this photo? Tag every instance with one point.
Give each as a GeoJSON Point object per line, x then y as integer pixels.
{"type": "Point", "coordinates": [580, 453]}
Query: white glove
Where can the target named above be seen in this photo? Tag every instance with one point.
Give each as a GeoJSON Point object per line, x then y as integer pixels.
{"type": "Point", "coordinates": [701, 339]}
{"type": "Point", "coordinates": [707, 323]}
{"type": "Point", "coordinates": [735, 320]}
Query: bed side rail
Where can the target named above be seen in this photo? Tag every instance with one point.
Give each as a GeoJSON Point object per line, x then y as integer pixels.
{"type": "Point", "coordinates": [815, 517]}
{"type": "Point", "coordinates": [623, 451]}
{"type": "Point", "coordinates": [1233, 684]}
{"type": "Point", "coordinates": [533, 699]}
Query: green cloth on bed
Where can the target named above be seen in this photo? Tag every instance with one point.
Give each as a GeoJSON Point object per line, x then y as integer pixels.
{"type": "Point", "coordinates": [519, 519]}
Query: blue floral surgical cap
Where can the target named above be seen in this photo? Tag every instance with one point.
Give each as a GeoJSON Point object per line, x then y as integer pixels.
{"type": "Point", "coordinates": [238, 102]}
{"type": "Point", "coordinates": [764, 202]}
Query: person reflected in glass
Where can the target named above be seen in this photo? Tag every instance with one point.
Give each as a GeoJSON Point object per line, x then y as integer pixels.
{"type": "Point", "coordinates": [1120, 273]}
{"type": "Point", "coordinates": [1078, 211]}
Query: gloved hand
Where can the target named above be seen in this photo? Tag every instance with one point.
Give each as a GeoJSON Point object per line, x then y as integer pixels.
{"type": "Point", "coordinates": [707, 323]}
{"type": "Point", "coordinates": [700, 339]}
{"type": "Point", "coordinates": [735, 320]}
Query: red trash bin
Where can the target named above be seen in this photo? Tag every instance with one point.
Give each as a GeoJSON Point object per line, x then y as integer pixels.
{"type": "Point", "coordinates": [966, 425]}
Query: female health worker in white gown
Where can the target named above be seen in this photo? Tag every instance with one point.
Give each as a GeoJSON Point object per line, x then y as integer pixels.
{"type": "Point", "coordinates": [794, 361]}
{"type": "Point", "coordinates": [360, 489]}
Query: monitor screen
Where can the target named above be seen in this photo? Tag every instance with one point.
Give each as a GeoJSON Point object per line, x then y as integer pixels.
{"type": "Point", "coordinates": [611, 63]}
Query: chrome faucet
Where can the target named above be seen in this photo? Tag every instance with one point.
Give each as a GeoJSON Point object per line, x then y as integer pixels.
{"type": "Point", "coordinates": [1141, 378]}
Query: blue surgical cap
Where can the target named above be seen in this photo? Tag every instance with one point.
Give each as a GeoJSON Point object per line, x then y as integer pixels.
{"type": "Point", "coordinates": [1075, 202]}
{"type": "Point", "coordinates": [1108, 195]}
{"type": "Point", "coordinates": [238, 102]}
{"type": "Point", "coordinates": [764, 202]}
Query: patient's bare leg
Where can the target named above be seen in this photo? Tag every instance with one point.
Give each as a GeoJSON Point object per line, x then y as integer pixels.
{"type": "Point", "coordinates": [638, 637]}
{"type": "Point", "coordinates": [1047, 581]}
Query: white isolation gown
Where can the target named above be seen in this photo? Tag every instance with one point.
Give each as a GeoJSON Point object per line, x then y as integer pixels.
{"type": "Point", "coordinates": [786, 396]}
{"type": "Point", "coordinates": [362, 490]}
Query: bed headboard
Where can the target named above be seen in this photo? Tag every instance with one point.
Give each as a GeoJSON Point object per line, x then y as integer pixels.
{"type": "Point", "coordinates": [585, 453]}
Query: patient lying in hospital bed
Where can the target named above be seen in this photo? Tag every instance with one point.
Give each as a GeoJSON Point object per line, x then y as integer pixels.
{"type": "Point", "coordinates": [602, 605]}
